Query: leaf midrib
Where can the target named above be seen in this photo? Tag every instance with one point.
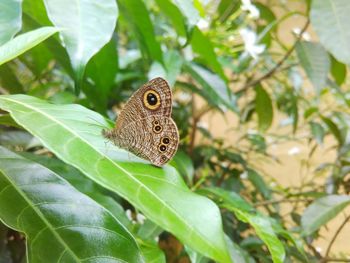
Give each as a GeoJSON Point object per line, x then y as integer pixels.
{"type": "Point", "coordinates": [41, 216]}
{"type": "Point", "coordinates": [114, 163]}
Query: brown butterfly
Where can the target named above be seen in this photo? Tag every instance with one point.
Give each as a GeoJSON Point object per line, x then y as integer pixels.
{"type": "Point", "coordinates": [145, 127]}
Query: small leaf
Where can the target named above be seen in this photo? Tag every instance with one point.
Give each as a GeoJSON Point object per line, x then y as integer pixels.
{"type": "Point", "coordinates": [317, 131]}
{"type": "Point", "coordinates": [338, 71]}
{"type": "Point", "coordinates": [316, 63]}
{"type": "Point", "coordinates": [321, 211]}
{"type": "Point", "coordinates": [10, 19]}
{"type": "Point", "coordinates": [54, 215]}
{"type": "Point", "coordinates": [214, 87]}
{"type": "Point", "coordinates": [87, 27]}
{"type": "Point", "coordinates": [22, 43]}
{"type": "Point", "coordinates": [263, 107]}
{"type": "Point", "coordinates": [333, 128]}
{"type": "Point", "coordinates": [330, 19]}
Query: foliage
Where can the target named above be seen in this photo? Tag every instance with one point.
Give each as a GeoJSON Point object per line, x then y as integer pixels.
{"type": "Point", "coordinates": [67, 195]}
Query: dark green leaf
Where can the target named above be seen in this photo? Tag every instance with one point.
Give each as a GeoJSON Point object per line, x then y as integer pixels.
{"type": "Point", "coordinates": [333, 128]}
{"type": "Point", "coordinates": [136, 13]}
{"type": "Point", "coordinates": [59, 221]}
{"type": "Point", "coordinates": [263, 107]}
{"type": "Point", "coordinates": [317, 131]}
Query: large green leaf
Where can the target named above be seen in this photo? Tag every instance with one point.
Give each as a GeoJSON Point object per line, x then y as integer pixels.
{"type": "Point", "coordinates": [137, 15]}
{"type": "Point", "coordinates": [22, 43]}
{"type": "Point", "coordinates": [10, 19]}
{"type": "Point", "coordinates": [263, 107]}
{"type": "Point", "coordinates": [245, 212]}
{"type": "Point", "coordinates": [315, 61]}
{"type": "Point", "coordinates": [59, 221]}
{"type": "Point", "coordinates": [321, 211]}
{"type": "Point", "coordinates": [331, 21]}
{"type": "Point", "coordinates": [73, 133]}
{"type": "Point", "coordinates": [88, 25]}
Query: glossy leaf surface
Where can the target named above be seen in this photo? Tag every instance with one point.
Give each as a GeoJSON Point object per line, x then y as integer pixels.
{"type": "Point", "coordinates": [22, 43]}
{"type": "Point", "coordinates": [59, 221]}
{"type": "Point", "coordinates": [72, 133]}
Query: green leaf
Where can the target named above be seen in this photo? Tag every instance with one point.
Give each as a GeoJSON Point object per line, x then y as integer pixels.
{"type": "Point", "coordinates": [87, 27]}
{"type": "Point", "coordinates": [213, 86]}
{"type": "Point", "coordinates": [226, 8]}
{"type": "Point", "coordinates": [173, 63]}
{"type": "Point", "coordinates": [316, 63]}
{"type": "Point", "coordinates": [10, 19]}
{"type": "Point", "coordinates": [317, 131]}
{"type": "Point", "coordinates": [22, 43]}
{"type": "Point", "coordinates": [9, 80]}
{"type": "Point", "coordinates": [152, 253]}
{"type": "Point", "coordinates": [174, 14]}
{"type": "Point", "coordinates": [183, 163]}
{"type": "Point", "coordinates": [102, 71]}
{"type": "Point", "coordinates": [330, 19]}
{"type": "Point", "coordinates": [263, 107]}
{"type": "Point", "coordinates": [204, 48]}
{"type": "Point", "coordinates": [333, 128]}
{"type": "Point", "coordinates": [321, 211]}
{"type": "Point", "coordinates": [59, 222]}
{"type": "Point", "coordinates": [338, 71]}
{"type": "Point", "coordinates": [245, 212]}
{"type": "Point", "coordinates": [188, 9]}
{"type": "Point", "coordinates": [259, 183]}
{"type": "Point", "coordinates": [70, 131]}
{"type": "Point", "coordinates": [136, 14]}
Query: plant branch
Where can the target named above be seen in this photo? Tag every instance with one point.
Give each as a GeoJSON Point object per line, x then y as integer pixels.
{"type": "Point", "coordinates": [279, 64]}
{"type": "Point", "coordinates": [335, 237]}
{"type": "Point", "coordinates": [284, 200]}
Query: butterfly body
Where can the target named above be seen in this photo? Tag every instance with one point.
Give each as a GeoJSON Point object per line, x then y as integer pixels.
{"type": "Point", "coordinates": [144, 127]}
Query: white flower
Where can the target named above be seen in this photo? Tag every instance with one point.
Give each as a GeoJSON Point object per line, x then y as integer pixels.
{"type": "Point", "coordinates": [306, 36]}
{"type": "Point", "coordinates": [294, 150]}
{"type": "Point", "coordinates": [250, 43]}
{"type": "Point", "coordinates": [254, 12]}
{"type": "Point", "coordinates": [243, 175]}
{"type": "Point", "coordinates": [318, 249]}
{"type": "Point", "coordinates": [128, 214]}
{"type": "Point", "coordinates": [140, 218]}
{"type": "Point", "coordinates": [203, 24]}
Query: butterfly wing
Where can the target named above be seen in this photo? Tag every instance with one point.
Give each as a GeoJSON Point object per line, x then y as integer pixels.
{"type": "Point", "coordinates": [153, 98]}
{"type": "Point", "coordinates": [154, 138]}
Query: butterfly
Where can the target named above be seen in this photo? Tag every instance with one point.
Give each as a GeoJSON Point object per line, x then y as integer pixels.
{"type": "Point", "coordinates": [145, 127]}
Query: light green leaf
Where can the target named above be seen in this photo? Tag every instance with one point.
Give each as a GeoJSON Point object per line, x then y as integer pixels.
{"type": "Point", "coordinates": [338, 71]}
{"type": "Point", "coordinates": [330, 19]}
{"type": "Point", "coordinates": [245, 212]}
{"type": "Point", "coordinates": [59, 221]}
{"type": "Point", "coordinates": [152, 253]}
{"type": "Point", "coordinates": [321, 211]}
{"type": "Point", "coordinates": [189, 11]}
{"type": "Point", "coordinates": [213, 86]}
{"type": "Point", "coordinates": [22, 43]}
{"type": "Point", "coordinates": [316, 63]}
{"type": "Point", "coordinates": [136, 14]}
{"type": "Point", "coordinates": [202, 46]}
{"type": "Point", "coordinates": [87, 26]}
{"type": "Point", "coordinates": [263, 107]}
{"type": "Point", "coordinates": [159, 193]}
{"type": "Point", "coordinates": [10, 19]}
